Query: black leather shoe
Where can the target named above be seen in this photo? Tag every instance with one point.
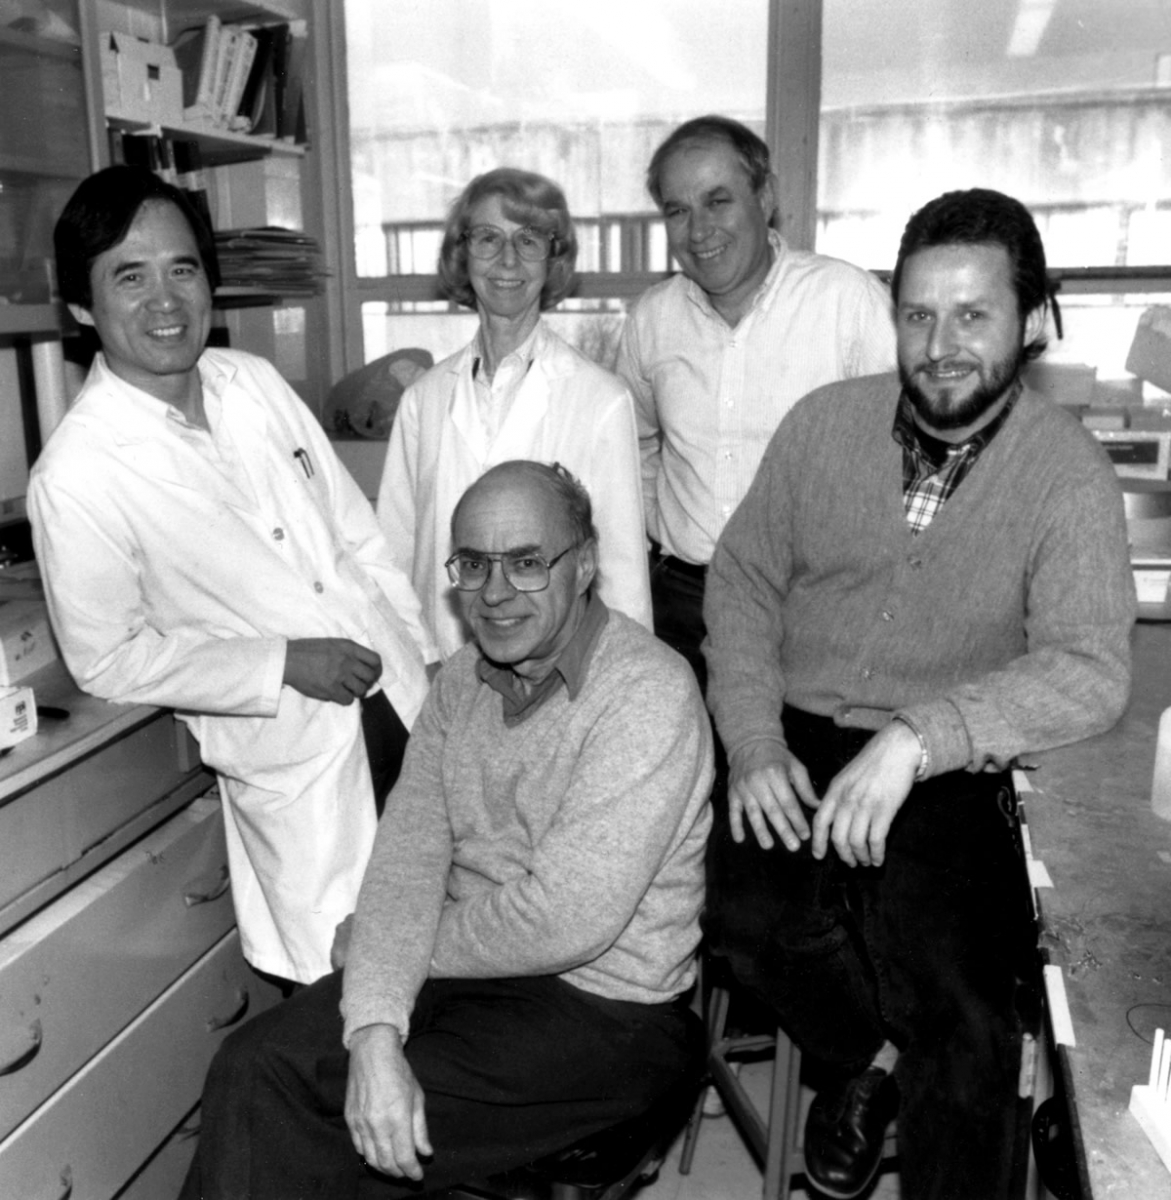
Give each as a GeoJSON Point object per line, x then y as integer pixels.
{"type": "Point", "coordinates": [844, 1132]}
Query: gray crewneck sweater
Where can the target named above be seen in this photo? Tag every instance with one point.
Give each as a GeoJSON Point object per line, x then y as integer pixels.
{"type": "Point", "coordinates": [570, 844]}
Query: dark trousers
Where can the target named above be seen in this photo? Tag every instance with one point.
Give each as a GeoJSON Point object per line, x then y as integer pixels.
{"type": "Point", "coordinates": [511, 1069]}
{"type": "Point", "coordinates": [386, 742]}
{"type": "Point", "coordinates": [928, 950]}
{"type": "Point", "coordinates": [677, 604]}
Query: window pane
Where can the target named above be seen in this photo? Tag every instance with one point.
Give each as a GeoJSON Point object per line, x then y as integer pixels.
{"type": "Point", "coordinates": [441, 90]}
{"type": "Point", "coordinates": [1065, 104]}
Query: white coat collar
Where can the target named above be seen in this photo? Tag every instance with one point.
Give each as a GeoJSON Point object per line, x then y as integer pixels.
{"type": "Point", "coordinates": [138, 425]}
{"type": "Point", "coordinates": [552, 359]}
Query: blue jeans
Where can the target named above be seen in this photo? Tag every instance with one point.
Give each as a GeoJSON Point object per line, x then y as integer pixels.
{"type": "Point", "coordinates": [929, 950]}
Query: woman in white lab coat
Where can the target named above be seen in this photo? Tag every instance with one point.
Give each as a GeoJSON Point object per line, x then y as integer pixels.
{"type": "Point", "coordinates": [516, 391]}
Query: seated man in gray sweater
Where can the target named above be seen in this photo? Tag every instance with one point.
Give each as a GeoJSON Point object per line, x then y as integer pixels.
{"type": "Point", "coordinates": [527, 924]}
{"type": "Point", "coordinates": [928, 576]}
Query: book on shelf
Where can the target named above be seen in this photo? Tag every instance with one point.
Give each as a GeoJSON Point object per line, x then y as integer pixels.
{"type": "Point", "coordinates": [189, 166]}
{"type": "Point", "coordinates": [226, 56]}
{"type": "Point", "coordinates": [291, 117]}
{"type": "Point", "coordinates": [258, 100]}
{"type": "Point", "coordinates": [243, 53]}
{"type": "Point", "coordinates": [196, 53]}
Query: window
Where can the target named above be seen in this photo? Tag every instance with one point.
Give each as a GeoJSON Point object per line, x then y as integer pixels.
{"type": "Point", "coordinates": [1064, 104]}
{"type": "Point", "coordinates": [441, 90]}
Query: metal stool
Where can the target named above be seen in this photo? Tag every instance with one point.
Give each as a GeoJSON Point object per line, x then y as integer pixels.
{"type": "Point", "coordinates": [775, 1141]}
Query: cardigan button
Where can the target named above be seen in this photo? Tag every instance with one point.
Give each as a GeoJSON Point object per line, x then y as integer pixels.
{"type": "Point", "coordinates": [318, 587]}
{"type": "Point", "coordinates": [278, 534]}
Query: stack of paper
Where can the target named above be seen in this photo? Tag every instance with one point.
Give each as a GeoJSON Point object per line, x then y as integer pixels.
{"type": "Point", "coordinates": [279, 261]}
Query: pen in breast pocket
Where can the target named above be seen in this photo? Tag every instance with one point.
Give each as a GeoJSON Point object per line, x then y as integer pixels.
{"type": "Point", "coordinates": [302, 456]}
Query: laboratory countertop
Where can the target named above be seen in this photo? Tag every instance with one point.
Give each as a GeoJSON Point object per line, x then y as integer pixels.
{"type": "Point", "coordinates": [62, 740]}
{"type": "Point", "coordinates": [1106, 920]}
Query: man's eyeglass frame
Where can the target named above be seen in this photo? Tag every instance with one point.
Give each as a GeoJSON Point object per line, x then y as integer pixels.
{"type": "Point", "coordinates": [503, 558]}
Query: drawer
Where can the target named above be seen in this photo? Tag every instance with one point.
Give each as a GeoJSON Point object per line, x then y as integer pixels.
{"type": "Point", "coordinates": [85, 966]}
{"type": "Point", "coordinates": [102, 1126]}
{"type": "Point", "coordinates": [162, 1177]}
{"type": "Point", "coordinates": [54, 823]}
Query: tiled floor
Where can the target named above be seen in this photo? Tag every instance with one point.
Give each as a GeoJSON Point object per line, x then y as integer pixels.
{"type": "Point", "coordinates": [724, 1169]}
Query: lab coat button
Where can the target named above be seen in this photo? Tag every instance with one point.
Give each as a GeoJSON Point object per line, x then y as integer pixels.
{"type": "Point", "coordinates": [887, 615]}
{"type": "Point", "coordinates": [319, 587]}
{"type": "Point", "coordinates": [866, 672]}
{"type": "Point", "coordinates": [278, 534]}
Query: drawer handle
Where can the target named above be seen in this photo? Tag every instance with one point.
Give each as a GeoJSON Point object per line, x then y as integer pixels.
{"type": "Point", "coordinates": [27, 1054]}
{"type": "Point", "coordinates": [237, 1014]}
{"type": "Point", "coordinates": [66, 1184]}
{"type": "Point", "coordinates": [207, 889]}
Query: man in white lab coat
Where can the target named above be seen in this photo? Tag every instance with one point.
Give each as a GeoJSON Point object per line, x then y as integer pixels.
{"type": "Point", "coordinates": [203, 549]}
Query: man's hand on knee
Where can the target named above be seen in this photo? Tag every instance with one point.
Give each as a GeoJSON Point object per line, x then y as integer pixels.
{"type": "Point", "coordinates": [384, 1104]}
{"type": "Point", "coordinates": [863, 798]}
{"type": "Point", "coordinates": [768, 783]}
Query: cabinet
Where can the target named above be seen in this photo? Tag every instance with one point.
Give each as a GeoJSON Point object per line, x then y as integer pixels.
{"type": "Point", "coordinates": [120, 968]}
{"type": "Point", "coordinates": [44, 89]}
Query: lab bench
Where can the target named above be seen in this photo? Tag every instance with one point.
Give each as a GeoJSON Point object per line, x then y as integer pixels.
{"type": "Point", "coordinates": [1106, 924]}
{"type": "Point", "coordinates": [120, 968]}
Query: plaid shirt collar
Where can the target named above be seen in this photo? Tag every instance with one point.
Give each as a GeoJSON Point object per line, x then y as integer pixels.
{"type": "Point", "coordinates": [933, 469]}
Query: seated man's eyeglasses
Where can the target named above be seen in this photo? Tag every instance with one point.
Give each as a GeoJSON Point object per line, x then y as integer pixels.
{"type": "Point", "coordinates": [487, 241]}
{"type": "Point", "coordinates": [469, 570]}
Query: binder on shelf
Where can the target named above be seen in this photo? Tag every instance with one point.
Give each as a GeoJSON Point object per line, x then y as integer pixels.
{"type": "Point", "coordinates": [189, 166]}
{"type": "Point", "coordinates": [242, 59]}
{"type": "Point", "coordinates": [196, 52]}
{"type": "Point", "coordinates": [225, 54]}
{"type": "Point", "coordinates": [257, 103]}
{"type": "Point", "coordinates": [165, 153]}
{"type": "Point", "coordinates": [290, 118]}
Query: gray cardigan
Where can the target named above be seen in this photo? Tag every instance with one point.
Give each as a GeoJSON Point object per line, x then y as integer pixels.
{"type": "Point", "coordinates": [1002, 627]}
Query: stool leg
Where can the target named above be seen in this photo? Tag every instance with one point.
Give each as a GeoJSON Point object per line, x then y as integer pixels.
{"type": "Point", "coordinates": [691, 1139]}
{"type": "Point", "coordinates": [784, 1116]}
{"type": "Point", "coordinates": [717, 1017]}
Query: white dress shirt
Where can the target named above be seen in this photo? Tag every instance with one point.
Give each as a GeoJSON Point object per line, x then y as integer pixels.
{"type": "Point", "coordinates": [708, 396]}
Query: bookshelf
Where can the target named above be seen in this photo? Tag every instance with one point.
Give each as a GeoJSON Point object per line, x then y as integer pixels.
{"type": "Point", "coordinates": [44, 88]}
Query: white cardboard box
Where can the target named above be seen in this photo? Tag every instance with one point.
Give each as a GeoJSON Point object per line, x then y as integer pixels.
{"type": "Point", "coordinates": [18, 715]}
{"type": "Point", "coordinates": [26, 641]}
{"type": "Point", "coordinates": [140, 81]}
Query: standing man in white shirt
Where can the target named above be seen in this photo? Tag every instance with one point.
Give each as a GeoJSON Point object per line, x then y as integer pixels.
{"type": "Point", "coordinates": [203, 549]}
{"type": "Point", "coordinates": [717, 355]}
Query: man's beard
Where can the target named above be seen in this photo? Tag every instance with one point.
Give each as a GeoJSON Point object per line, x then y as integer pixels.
{"type": "Point", "coordinates": [937, 413]}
